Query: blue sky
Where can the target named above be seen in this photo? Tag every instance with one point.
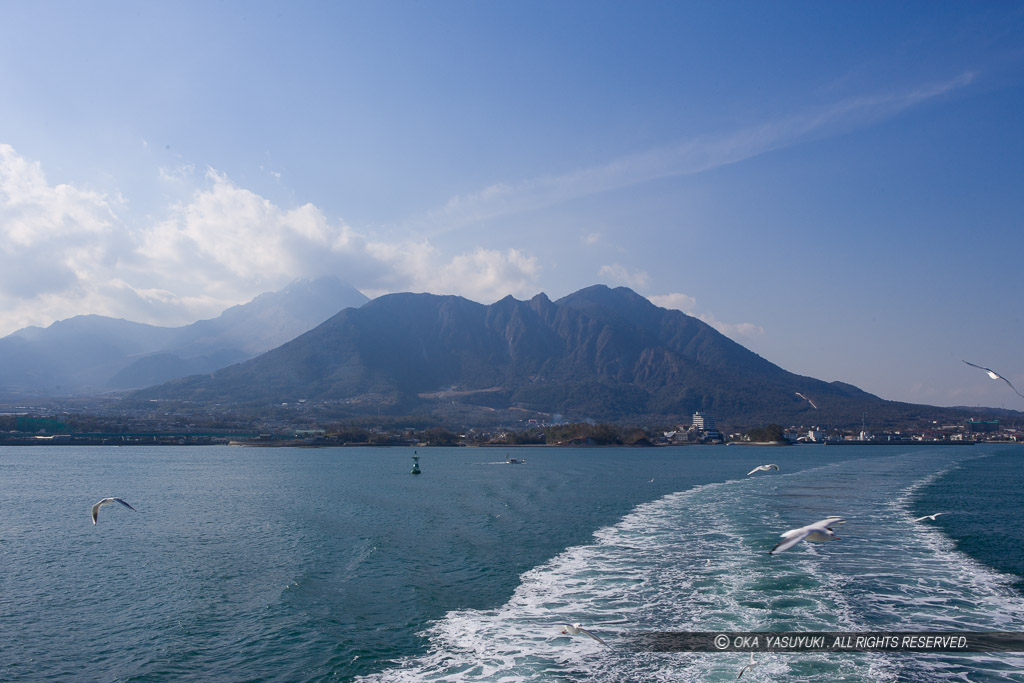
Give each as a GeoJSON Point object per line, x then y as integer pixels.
{"type": "Point", "coordinates": [836, 186]}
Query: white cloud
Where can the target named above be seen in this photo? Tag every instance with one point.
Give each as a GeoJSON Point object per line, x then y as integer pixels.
{"type": "Point", "coordinates": [676, 300]}
{"type": "Point", "coordinates": [53, 238]}
{"type": "Point", "coordinates": [65, 251]}
{"type": "Point", "coordinates": [620, 275]}
{"type": "Point", "coordinates": [733, 330]}
{"type": "Point", "coordinates": [688, 304]}
{"type": "Point", "coordinates": [592, 238]}
{"type": "Point", "coordinates": [33, 212]}
{"type": "Point", "coordinates": [227, 229]}
{"type": "Point", "coordinates": [178, 175]}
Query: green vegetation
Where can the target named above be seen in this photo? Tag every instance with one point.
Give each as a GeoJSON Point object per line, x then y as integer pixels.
{"type": "Point", "coordinates": [39, 425]}
{"type": "Point", "coordinates": [582, 433]}
{"type": "Point", "coordinates": [772, 432]}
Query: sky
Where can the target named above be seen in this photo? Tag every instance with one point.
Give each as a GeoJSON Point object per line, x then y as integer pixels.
{"type": "Point", "coordinates": [839, 187]}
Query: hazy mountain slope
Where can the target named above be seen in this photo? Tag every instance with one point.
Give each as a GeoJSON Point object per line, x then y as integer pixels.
{"type": "Point", "coordinates": [69, 355]}
{"type": "Point", "coordinates": [91, 354]}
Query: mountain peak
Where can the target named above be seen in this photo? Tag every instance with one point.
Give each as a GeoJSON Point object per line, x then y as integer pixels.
{"type": "Point", "coordinates": [600, 353]}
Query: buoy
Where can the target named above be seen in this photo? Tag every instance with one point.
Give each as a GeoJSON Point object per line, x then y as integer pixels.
{"type": "Point", "coordinates": [415, 465]}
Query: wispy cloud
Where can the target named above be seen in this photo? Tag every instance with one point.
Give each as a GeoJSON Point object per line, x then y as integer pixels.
{"type": "Point", "coordinates": [618, 274]}
{"type": "Point", "coordinates": [695, 155]}
{"type": "Point", "coordinates": [688, 304]}
{"type": "Point", "coordinates": [676, 300]}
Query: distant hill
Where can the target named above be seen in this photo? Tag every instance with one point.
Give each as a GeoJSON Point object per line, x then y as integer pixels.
{"type": "Point", "coordinates": [599, 354]}
{"type": "Point", "coordinates": [92, 354]}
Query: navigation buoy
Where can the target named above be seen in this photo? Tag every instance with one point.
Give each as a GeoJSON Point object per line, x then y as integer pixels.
{"type": "Point", "coordinates": [415, 465]}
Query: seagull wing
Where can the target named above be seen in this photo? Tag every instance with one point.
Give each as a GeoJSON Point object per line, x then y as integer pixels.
{"type": "Point", "coordinates": [995, 375]}
{"type": "Point", "coordinates": [794, 536]}
{"type": "Point", "coordinates": [980, 367]}
{"type": "Point", "coordinates": [588, 633]}
{"type": "Point", "coordinates": [756, 469]}
{"type": "Point", "coordinates": [108, 501]}
{"type": "Point", "coordinates": [825, 524]}
{"type": "Point", "coordinates": [931, 517]}
{"type": "Point", "coordinates": [97, 506]}
{"type": "Point", "coordinates": [790, 539]}
{"type": "Point", "coordinates": [1011, 386]}
{"type": "Point", "coordinates": [748, 666]}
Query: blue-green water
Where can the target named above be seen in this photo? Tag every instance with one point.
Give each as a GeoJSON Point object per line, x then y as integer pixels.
{"type": "Point", "coordinates": [337, 564]}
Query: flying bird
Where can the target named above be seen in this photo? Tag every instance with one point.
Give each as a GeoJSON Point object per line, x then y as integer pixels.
{"type": "Point", "coordinates": [108, 501]}
{"type": "Point", "coordinates": [748, 666]}
{"type": "Point", "coordinates": [995, 375]}
{"type": "Point", "coordinates": [931, 517]}
{"type": "Point", "coordinates": [819, 531]}
{"type": "Point", "coordinates": [576, 629]}
{"type": "Point", "coordinates": [763, 468]}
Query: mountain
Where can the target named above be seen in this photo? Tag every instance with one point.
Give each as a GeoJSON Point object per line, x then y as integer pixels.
{"type": "Point", "coordinates": [600, 354]}
{"type": "Point", "coordinates": [91, 354]}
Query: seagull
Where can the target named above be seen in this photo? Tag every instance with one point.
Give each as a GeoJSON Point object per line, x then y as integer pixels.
{"type": "Point", "coordinates": [995, 375]}
{"type": "Point", "coordinates": [931, 517]}
{"type": "Point", "coordinates": [763, 468]}
{"type": "Point", "coordinates": [819, 531]}
{"type": "Point", "coordinates": [108, 501]}
{"type": "Point", "coordinates": [576, 629]}
{"type": "Point", "coordinates": [748, 666]}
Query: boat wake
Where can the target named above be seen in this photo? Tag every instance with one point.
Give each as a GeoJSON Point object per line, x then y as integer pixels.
{"type": "Point", "coordinates": [697, 560]}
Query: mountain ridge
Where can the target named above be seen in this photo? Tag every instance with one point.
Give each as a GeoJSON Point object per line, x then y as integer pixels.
{"type": "Point", "coordinates": [596, 354]}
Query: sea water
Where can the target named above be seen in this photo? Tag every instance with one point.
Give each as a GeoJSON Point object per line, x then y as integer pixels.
{"type": "Point", "coordinates": [338, 564]}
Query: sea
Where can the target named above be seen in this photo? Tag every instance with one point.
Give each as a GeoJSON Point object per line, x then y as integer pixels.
{"type": "Point", "coordinates": [338, 564]}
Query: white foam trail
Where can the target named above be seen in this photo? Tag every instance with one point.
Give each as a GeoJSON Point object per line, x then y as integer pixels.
{"type": "Point", "coordinates": [697, 561]}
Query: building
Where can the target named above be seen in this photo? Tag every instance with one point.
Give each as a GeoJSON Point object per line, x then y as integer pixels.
{"type": "Point", "coordinates": [976, 426]}
{"type": "Point", "coordinates": [704, 423]}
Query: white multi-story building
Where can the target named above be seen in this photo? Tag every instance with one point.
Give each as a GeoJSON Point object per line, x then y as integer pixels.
{"type": "Point", "coordinates": [704, 423]}
{"type": "Point", "coordinates": [705, 427]}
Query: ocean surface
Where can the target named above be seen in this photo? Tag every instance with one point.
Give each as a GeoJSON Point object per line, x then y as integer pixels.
{"type": "Point", "coordinates": [337, 564]}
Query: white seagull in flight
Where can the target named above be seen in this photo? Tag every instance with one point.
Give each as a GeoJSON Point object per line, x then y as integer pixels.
{"type": "Point", "coordinates": [108, 501]}
{"type": "Point", "coordinates": [763, 468]}
{"type": "Point", "coordinates": [748, 666]}
{"type": "Point", "coordinates": [819, 531]}
{"type": "Point", "coordinates": [995, 375]}
{"type": "Point", "coordinates": [576, 629]}
{"type": "Point", "coordinates": [931, 517]}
